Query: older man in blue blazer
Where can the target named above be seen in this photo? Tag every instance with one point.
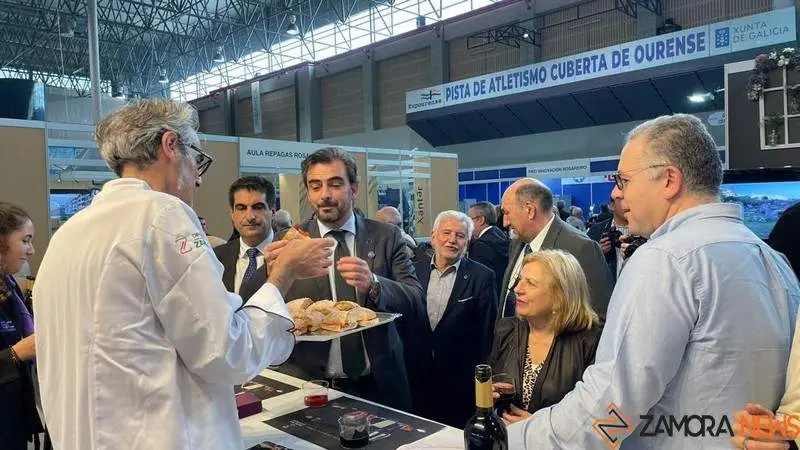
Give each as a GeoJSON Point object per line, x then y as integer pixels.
{"type": "Point", "coordinates": [456, 335]}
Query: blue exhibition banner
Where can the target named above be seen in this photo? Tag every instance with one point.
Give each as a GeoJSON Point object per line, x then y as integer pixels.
{"type": "Point", "coordinates": [770, 28]}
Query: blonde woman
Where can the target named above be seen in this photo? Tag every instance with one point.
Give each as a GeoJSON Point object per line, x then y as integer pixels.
{"type": "Point", "coordinates": [554, 337]}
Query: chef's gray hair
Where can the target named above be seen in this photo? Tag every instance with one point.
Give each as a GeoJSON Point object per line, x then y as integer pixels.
{"type": "Point", "coordinates": [454, 215]}
{"type": "Point", "coordinates": [132, 134]}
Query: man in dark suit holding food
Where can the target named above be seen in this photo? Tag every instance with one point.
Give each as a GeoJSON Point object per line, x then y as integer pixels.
{"type": "Point", "coordinates": [371, 269]}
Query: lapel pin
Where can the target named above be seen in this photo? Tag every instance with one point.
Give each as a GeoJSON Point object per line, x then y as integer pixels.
{"type": "Point", "coordinates": [371, 254]}
{"type": "Point", "coordinates": [466, 275]}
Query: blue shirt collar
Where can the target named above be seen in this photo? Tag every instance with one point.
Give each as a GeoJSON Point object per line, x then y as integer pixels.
{"type": "Point", "coordinates": [716, 210]}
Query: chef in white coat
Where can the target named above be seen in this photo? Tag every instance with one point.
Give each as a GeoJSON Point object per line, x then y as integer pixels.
{"type": "Point", "coordinates": [138, 342]}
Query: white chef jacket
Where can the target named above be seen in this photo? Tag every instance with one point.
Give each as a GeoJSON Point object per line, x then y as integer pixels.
{"type": "Point", "coordinates": [138, 343]}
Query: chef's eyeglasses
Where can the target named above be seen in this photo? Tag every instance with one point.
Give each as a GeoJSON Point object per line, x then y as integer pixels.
{"type": "Point", "coordinates": [202, 159]}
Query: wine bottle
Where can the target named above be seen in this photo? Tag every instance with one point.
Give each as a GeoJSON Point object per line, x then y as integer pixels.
{"type": "Point", "coordinates": [485, 431]}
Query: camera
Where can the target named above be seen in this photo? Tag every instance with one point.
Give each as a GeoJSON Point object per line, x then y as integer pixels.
{"type": "Point", "coordinates": [634, 242]}
{"type": "Point", "coordinates": [614, 235]}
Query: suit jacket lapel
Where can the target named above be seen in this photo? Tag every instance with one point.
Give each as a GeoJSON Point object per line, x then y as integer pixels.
{"type": "Point", "coordinates": [229, 262]}
{"type": "Point", "coordinates": [365, 242]}
{"type": "Point", "coordinates": [460, 285]}
{"type": "Point", "coordinates": [424, 275]}
{"type": "Point", "coordinates": [552, 234]}
{"type": "Point", "coordinates": [513, 254]}
{"type": "Point", "coordinates": [365, 248]}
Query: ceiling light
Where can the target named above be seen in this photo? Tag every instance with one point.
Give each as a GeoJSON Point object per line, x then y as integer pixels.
{"type": "Point", "coordinates": [218, 56]}
{"type": "Point", "coordinates": [701, 97]}
{"type": "Point", "coordinates": [525, 35]}
{"type": "Point", "coordinates": [163, 77]}
{"type": "Point", "coordinates": [292, 29]}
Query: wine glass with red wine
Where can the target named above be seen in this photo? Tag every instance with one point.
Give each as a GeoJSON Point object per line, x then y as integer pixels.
{"type": "Point", "coordinates": [504, 385]}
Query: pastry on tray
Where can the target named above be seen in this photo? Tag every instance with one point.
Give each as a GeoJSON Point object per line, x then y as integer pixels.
{"type": "Point", "coordinates": [298, 305]}
{"type": "Point", "coordinates": [322, 306]}
{"type": "Point", "coordinates": [327, 317]}
{"type": "Point", "coordinates": [363, 316]}
{"type": "Point", "coordinates": [345, 305]}
{"type": "Point", "coordinates": [296, 233]}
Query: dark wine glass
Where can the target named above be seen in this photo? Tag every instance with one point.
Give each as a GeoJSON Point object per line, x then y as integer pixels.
{"type": "Point", "coordinates": [504, 385]}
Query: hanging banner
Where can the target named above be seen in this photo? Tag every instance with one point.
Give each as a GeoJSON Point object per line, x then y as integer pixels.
{"type": "Point", "coordinates": [422, 219]}
{"type": "Point", "coordinates": [760, 30]}
{"type": "Point", "coordinates": [255, 96]}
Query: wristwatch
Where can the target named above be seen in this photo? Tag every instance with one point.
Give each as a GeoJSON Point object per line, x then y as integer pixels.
{"type": "Point", "coordinates": [374, 288]}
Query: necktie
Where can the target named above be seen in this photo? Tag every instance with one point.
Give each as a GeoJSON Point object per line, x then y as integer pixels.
{"type": "Point", "coordinates": [252, 264]}
{"type": "Point", "coordinates": [352, 346]}
{"type": "Point", "coordinates": [511, 297]}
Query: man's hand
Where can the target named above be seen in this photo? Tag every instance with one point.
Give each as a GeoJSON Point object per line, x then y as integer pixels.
{"type": "Point", "coordinates": [26, 348]}
{"type": "Point", "coordinates": [356, 273]}
{"type": "Point", "coordinates": [748, 437]}
{"type": "Point", "coordinates": [605, 245]}
{"type": "Point", "coordinates": [515, 414]}
{"type": "Point", "coordinates": [298, 259]}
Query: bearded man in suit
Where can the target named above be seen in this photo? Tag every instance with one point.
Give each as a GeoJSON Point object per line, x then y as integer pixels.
{"type": "Point", "coordinates": [370, 267]}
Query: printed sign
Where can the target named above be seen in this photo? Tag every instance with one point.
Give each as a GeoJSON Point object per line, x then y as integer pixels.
{"type": "Point", "coordinates": [559, 169]}
{"type": "Point", "coordinates": [760, 30]}
{"type": "Point", "coordinates": [269, 153]}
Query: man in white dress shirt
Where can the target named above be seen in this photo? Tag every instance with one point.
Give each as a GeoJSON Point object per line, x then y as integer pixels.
{"type": "Point", "coordinates": [139, 343]}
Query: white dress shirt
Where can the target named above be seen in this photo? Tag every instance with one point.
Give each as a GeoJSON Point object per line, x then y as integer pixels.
{"type": "Point", "coordinates": [244, 261]}
{"type": "Point", "coordinates": [535, 245]}
{"type": "Point", "coordinates": [335, 367]}
{"type": "Point", "coordinates": [139, 344]}
{"type": "Point", "coordinates": [439, 289]}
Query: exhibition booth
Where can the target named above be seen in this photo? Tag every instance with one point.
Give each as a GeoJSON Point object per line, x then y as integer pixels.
{"type": "Point", "coordinates": [53, 170]}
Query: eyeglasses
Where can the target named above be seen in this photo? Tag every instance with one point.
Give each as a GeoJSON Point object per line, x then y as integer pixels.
{"type": "Point", "coordinates": [621, 182]}
{"type": "Point", "coordinates": [202, 159]}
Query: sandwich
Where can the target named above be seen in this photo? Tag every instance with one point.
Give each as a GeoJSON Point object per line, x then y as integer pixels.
{"type": "Point", "coordinates": [338, 321]}
{"type": "Point", "coordinates": [301, 325]}
{"type": "Point", "coordinates": [314, 319]}
{"type": "Point", "coordinates": [362, 316]}
{"type": "Point", "coordinates": [345, 305]}
{"type": "Point", "coordinates": [323, 306]}
{"type": "Point", "coordinates": [297, 305]}
{"type": "Point", "coordinates": [295, 232]}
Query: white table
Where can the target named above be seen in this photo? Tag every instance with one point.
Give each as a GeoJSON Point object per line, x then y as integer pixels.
{"type": "Point", "coordinates": [255, 431]}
